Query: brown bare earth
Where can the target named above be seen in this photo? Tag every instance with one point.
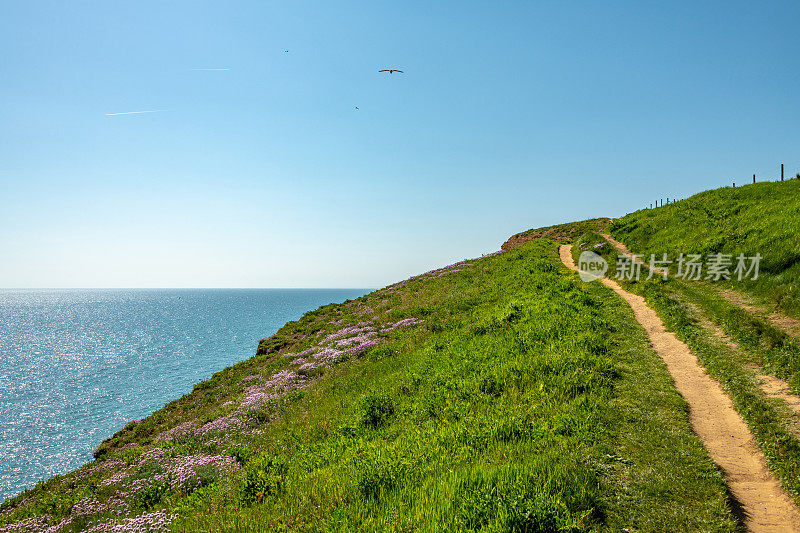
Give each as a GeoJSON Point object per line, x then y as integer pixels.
{"type": "Point", "coordinates": [778, 388]}
{"type": "Point", "coordinates": [784, 323]}
{"type": "Point", "coordinates": [616, 244]}
{"type": "Point", "coordinates": [765, 505]}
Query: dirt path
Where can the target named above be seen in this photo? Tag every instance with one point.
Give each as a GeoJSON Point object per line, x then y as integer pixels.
{"type": "Point", "coordinates": [615, 243]}
{"type": "Point", "coordinates": [784, 323]}
{"type": "Point", "coordinates": [713, 417]}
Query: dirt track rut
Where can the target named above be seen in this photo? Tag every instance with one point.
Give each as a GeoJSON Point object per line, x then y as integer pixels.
{"type": "Point", "coordinates": [788, 325]}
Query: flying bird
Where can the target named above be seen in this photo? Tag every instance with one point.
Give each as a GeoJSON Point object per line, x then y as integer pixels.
{"type": "Point", "coordinates": [356, 108]}
{"type": "Point", "coordinates": [133, 112]}
{"type": "Point", "coordinates": [391, 70]}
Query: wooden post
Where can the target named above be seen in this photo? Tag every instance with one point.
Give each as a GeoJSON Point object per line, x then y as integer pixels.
{"type": "Point", "coordinates": [754, 178]}
{"type": "Point", "coordinates": [781, 171]}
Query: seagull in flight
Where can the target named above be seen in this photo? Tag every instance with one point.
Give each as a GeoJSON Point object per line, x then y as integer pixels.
{"type": "Point", "coordinates": [391, 70]}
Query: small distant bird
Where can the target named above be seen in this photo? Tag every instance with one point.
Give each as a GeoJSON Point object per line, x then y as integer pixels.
{"type": "Point", "coordinates": [286, 51]}
{"type": "Point", "coordinates": [356, 108]}
{"type": "Point", "coordinates": [391, 70]}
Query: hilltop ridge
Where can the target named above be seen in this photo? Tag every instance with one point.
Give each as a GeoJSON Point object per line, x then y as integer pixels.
{"type": "Point", "coordinates": [563, 233]}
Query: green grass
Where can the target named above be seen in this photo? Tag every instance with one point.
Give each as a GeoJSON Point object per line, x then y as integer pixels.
{"type": "Point", "coordinates": [760, 218]}
{"type": "Point", "coordinates": [682, 305]}
{"type": "Point", "coordinates": [525, 400]}
{"type": "Point", "coordinates": [771, 349]}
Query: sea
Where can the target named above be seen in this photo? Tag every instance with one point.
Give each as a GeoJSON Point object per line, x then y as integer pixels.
{"type": "Point", "coordinates": [77, 365]}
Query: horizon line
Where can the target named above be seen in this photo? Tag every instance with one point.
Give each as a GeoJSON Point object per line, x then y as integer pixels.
{"type": "Point", "coordinates": [184, 288]}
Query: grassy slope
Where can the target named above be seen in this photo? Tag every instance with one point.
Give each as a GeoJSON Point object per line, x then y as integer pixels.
{"type": "Point", "coordinates": [686, 308]}
{"type": "Point", "coordinates": [523, 400]}
{"type": "Point", "coordinates": [761, 218]}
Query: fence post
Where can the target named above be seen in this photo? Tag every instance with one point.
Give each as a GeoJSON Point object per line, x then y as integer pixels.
{"type": "Point", "coordinates": [781, 171]}
{"type": "Point", "coordinates": [754, 178]}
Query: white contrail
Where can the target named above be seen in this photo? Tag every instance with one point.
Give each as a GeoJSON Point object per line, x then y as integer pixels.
{"type": "Point", "coordinates": [133, 112]}
{"type": "Point", "coordinates": [210, 69]}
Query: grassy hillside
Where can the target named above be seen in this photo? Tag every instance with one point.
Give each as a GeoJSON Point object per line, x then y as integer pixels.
{"type": "Point", "coordinates": [763, 218]}
{"type": "Point", "coordinates": [499, 394]}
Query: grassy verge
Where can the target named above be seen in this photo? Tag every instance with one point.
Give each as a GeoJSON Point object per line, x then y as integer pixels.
{"type": "Point", "coordinates": [499, 394]}
{"type": "Point", "coordinates": [770, 421]}
{"type": "Point", "coordinates": [648, 489]}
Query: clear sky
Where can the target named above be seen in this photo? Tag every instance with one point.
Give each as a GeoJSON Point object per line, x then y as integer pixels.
{"type": "Point", "coordinates": [509, 115]}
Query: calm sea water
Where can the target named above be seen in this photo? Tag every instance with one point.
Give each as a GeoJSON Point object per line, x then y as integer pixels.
{"type": "Point", "coordinates": [76, 365]}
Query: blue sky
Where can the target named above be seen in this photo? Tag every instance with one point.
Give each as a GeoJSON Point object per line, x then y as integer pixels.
{"type": "Point", "coordinates": [509, 115]}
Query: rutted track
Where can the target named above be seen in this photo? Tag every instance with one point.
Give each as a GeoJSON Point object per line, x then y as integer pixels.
{"type": "Point", "coordinates": [788, 325]}
{"type": "Point", "coordinates": [712, 414]}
